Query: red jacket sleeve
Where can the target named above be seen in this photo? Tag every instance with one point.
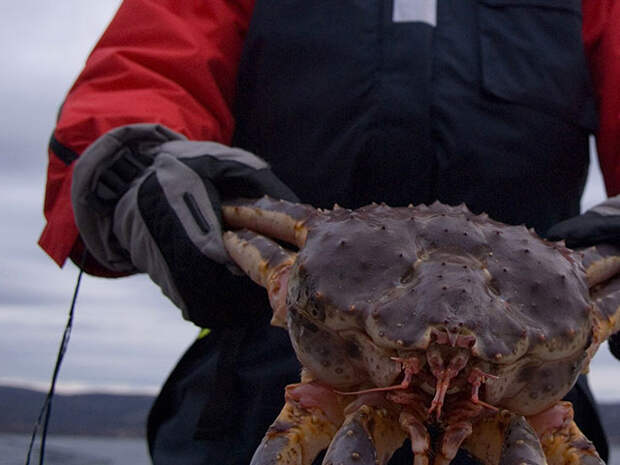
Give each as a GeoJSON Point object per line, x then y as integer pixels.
{"type": "Point", "coordinates": [165, 61]}
{"type": "Point", "coordinates": [601, 33]}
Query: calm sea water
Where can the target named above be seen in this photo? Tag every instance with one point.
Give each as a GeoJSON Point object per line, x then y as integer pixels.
{"type": "Point", "coordinates": [67, 450]}
{"type": "Point", "coordinates": [62, 450]}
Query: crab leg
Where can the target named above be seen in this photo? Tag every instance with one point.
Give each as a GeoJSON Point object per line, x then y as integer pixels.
{"type": "Point", "coordinates": [561, 439]}
{"type": "Point", "coordinates": [451, 441]}
{"type": "Point", "coordinates": [601, 263]}
{"type": "Point", "coordinates": [419, 436]}
{"type": "Point", "coordinates": [521, 445]}
{"type": "Point", "coordinates": [607, 300]}
{"type": "Point", "coordinates": [305, 426]}
{"type": "Point", "coordinates": [505, 439]}
{"type": "Point", "coordinates": [266, 263]}
{"type": "Point", "coordinates": [263, 260]}
{"type": "Point", "coordinates": [369, 436]}
{"type": "Point", "coordinates": [457, 427]}
{"type": "Point", "coordinates": [277, 219]}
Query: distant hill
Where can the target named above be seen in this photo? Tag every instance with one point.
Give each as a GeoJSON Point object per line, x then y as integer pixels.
{"type": "Point", "coordinates": [125, 415]}
{"type": "Point", "coordinates": [82, 414]}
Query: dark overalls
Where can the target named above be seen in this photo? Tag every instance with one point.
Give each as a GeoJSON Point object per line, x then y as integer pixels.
{"type": "Point", "coordinates": [485, 102]}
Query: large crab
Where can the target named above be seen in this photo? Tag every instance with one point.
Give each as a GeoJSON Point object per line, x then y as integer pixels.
{"type": "Point", "coordinates": [425, 322]}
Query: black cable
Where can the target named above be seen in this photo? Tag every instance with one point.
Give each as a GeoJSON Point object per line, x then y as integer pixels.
{"type": "Point", "coordinates": [46, 408]}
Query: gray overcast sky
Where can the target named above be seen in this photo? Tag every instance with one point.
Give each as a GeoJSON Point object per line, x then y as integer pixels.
{"type": "Point", "coordinates": [126, 335]}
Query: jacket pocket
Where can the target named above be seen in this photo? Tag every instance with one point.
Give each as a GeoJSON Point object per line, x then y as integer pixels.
{"type": "Point", "coordinates": [532, 54]}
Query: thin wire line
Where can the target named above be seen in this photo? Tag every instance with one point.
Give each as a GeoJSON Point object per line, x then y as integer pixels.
{"type": "Point", "coordinates": [46, 408]}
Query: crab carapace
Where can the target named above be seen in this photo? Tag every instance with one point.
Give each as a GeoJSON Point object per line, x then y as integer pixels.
{"type": "Point", "coordinates": [425, 318]}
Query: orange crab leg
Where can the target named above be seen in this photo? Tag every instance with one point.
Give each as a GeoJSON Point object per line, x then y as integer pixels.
{"type": "Point", "coordinates": [561, 439]}
{"type": "Point", "coordinates": [278, 219]}
{"type": "Point", "coordinates": [263, 260]}
{"type": "Point", "coordinates": [369, 436]}
{"type": "Point", "coordinates": [505, 439]}
{"type": "Point", "coordinates": [601, 262]}
{"type": "Point", "coordinates": [419, 436]}
{"type": "Point", "coordinates": [451, 441]}
{"type": "Point", "coordinates": [305, 426]}
{"type": "Point", "coordinates": [266, 263]}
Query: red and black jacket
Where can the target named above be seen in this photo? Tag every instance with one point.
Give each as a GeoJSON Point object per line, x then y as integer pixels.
{"type": "Point", "coordinates": [177, 63]}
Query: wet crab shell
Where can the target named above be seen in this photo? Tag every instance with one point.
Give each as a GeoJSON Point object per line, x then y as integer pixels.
{"type": "Point", "coordinates": [522, 303]}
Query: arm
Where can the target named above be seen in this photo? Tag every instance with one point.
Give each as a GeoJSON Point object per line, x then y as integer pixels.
{"type": "Point", "coordinates": [166, 62]}
{"type": "Point", "coordinates": [601, 33]}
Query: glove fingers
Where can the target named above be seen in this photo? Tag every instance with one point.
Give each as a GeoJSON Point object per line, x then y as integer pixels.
{"type": "Point", "coordinates": [236, 179]}
{"type": "Point", "coordinates": [587, 229]}
{"type": "Point", "coordinates": [187, 150]}
{"type": "Point", "coordinates": [235, 172]}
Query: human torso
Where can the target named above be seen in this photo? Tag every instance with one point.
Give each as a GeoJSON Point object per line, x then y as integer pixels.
{"type": "Point", "coordinates": [487, 103]}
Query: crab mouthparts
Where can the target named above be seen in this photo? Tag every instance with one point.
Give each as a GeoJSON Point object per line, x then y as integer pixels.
{"type": "Point", "coordinates": [443, 374]}
{"type": "Point", "coordinates": [444, 370]}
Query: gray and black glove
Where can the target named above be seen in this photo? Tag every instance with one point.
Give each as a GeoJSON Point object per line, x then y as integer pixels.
{"type": "Point", "coordinates": [599, 225]}
{"type": "Point", "coordinates": [147, 199]}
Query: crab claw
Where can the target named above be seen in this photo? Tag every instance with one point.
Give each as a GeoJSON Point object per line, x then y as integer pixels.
{"type": "Point", "coordinates": [369, 436]}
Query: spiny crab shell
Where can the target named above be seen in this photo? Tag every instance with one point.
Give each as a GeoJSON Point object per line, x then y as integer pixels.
{"type": "Point", "coordinates": [408, 275]}
{"type": "Point", "coordinates": [396, 313]}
